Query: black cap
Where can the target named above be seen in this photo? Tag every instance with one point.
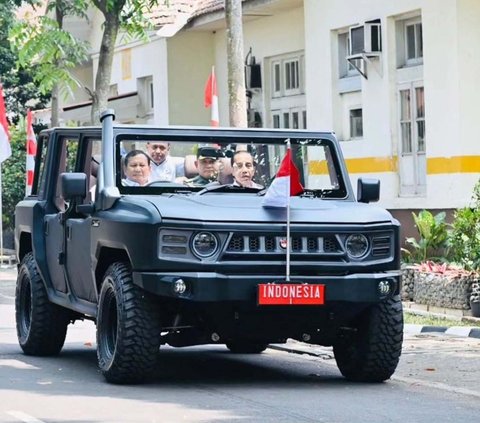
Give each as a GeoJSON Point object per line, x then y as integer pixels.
{"type": "Point", "coordinates": [208, 152]}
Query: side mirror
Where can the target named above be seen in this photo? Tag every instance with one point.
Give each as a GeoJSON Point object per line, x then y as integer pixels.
{"type": "Point", "coordinates": [74, 185]}
{"type": "Point", "coordinates": [368, 190]}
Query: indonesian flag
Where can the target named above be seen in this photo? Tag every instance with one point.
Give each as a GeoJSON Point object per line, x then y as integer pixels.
{"type": "Point", "coordinates": [286, 184]}
{"type": "Point", "coordinates": [5, 149]}
{"type": "Point", "coordinates": [31, 152]}
{"type": "Point", "coordinates": [211, 98]}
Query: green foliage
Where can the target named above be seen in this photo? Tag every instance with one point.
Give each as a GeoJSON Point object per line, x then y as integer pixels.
{"type": "Point", "coordinates": [49, 51]}
{"type": "Point", "coordinates": [20, 91]}
{"type": "Point", "coordinates": [465, 236]}
{"type": "Point", "coordinates": [13, 175]}
{"type": "Point", "coordinates": [433, 240]}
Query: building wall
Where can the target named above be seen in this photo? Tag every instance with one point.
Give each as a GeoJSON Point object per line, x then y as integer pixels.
{"type": "Point", "coordinates": [190, 59]}
{"type": "Point", "coordinates": [191, 54]}
{"type": "Point", "coordinates": [449, 73]}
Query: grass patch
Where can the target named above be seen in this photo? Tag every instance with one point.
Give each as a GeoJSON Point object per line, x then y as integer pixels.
{"type": "Point", "coordinates": [416, 319]}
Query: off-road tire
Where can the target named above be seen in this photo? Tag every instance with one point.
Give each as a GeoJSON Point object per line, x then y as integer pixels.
{"type": "Point", "coordinates": [246, 347]}
{"type": "Point", "coordinates": [128, 328]}
{"type": "Point", "coordinates": [372, 351]}
{"type": "Point", "coordinates": [41, 325]}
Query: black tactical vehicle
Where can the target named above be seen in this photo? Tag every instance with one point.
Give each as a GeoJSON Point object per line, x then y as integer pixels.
{"type": "Point", "coordinates": [178, 260]}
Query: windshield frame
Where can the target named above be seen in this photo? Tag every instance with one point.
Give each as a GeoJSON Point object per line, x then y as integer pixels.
{"type": "Point", "coordinates": [224, 137]}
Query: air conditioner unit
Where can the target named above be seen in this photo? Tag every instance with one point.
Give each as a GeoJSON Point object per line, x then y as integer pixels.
{"type": "Point", "coordinates": [366, 38]}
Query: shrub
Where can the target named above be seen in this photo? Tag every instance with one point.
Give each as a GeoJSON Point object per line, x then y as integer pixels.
{"type": "Point", "coordinates": [433, 241]}
{"type": "Point", "coordinates": [13, 176]}
{"type": "Point", "coordinates": [465, 235]}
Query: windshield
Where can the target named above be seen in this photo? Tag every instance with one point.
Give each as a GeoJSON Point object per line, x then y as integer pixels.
{"type": "Point", "coordinates": [157, 166]}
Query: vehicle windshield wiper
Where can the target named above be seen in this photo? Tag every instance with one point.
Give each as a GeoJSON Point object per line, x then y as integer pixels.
{"type": "Point", "coordinates": [226, 188]}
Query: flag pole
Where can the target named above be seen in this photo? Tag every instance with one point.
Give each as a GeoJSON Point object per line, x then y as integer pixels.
{"type": "Point", "coordinates": [288, 219]}
{"type": "Point", "coordinates": [211, 88]}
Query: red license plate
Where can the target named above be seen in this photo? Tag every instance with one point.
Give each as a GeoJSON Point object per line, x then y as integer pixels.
{"type": "Point", "coordinates": [291, 294]}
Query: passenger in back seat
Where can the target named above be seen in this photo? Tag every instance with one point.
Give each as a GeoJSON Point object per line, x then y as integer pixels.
{"type": "Point", "coordinates": [162, 166]}
{"type": "Point", "coordinates": [207, 165]}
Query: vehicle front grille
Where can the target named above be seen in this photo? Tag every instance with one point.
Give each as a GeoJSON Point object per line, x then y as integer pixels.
{"type": "Point", "coordinates": [274, 244]}
{"type": "Point", "coordinates": [381, 245]}
{"type": "Point", "coordinates": [304, 247]}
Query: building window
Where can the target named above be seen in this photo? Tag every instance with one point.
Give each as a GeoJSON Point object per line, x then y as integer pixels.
{"type": "Point", "coordinates": [150, 94]}
{"type": "Point", "coordinates": [409, 42]}
{"type": "Point", "coordinates": [414, 42]}
{"type": "Point", "coordinates": [287, 76]}
{"type": "Point", "coordinates": [412, 120]}
{"type": "Point", "coordinates": [405, 122]}
{"type": "Point", "coordinates": [292, 118]}
{"type": "Point", "coordinates": [276, 78]}
{"type": "Point", "coordinates": [356, 123]}
{"type": "Point", "coordinates": [291, 75]}
{"type": "Point", "coordinates": [276, 120]}
{"type": "Point", "coordinates": [146, 90]}
{"type": "Point", "coordinates": [345, 68]}
{"type": "Point", "coordinates": [420, 118]}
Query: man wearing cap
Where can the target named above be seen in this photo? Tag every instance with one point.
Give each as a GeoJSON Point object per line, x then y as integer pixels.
{"type": "Point", "coordinates": [207, 166]}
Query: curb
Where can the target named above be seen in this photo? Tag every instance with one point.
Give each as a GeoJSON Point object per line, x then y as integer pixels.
{"type": "Point", "coordinates": [460, 331]}
{"type": "Point", "coordinates": [325, 353]}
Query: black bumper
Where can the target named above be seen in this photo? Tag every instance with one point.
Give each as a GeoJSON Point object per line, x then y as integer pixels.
{"type": "Point", "coordinates": [216, 287]}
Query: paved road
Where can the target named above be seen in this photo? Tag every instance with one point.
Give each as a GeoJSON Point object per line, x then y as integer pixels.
{"type": "Point", "coordinates": [438, 380]}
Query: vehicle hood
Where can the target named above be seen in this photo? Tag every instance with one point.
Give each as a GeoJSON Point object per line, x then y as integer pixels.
{"type": "Point", "coordinates": [248, 208]}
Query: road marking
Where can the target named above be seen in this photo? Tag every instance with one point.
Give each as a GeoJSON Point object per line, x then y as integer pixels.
{"type": "Point", "coordinates": [24, 417]}
{"type": "Point", "coordinates": [17, 364]}
{"type": "Point", "coordinates": [437, 385]}
{"type": "Point", "coordinates": [7, 297]}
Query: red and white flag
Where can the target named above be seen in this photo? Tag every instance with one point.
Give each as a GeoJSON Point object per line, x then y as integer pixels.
{"type": "Point", "coordinates": [31, 152]}
{"type": "Point", "coordinates": [286, 184]}
{"type": "Point", "coordinates": [5, 149]}
{"type": "Point", "coordinates": [211, 98]}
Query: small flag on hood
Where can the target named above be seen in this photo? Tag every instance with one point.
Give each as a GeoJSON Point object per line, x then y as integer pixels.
{"type": "Point", "coordinates": [286, 184]}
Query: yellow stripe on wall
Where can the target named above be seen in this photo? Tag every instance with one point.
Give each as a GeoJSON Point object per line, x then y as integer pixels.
{"type": "Point", "coordinates": [458, 164]}
{"type": "Point", "coordinates": [435, 165]}
{"type": "Point", "coordinates": [363, 165]}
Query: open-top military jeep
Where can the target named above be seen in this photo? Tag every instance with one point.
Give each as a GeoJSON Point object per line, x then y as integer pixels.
{"type": "Point", "coordinates": [183, 260]}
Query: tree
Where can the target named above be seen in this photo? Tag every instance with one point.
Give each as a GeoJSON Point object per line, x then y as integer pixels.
{"type": "Point", "coordinates": [236, 69]}
{"type": "Point", "coordinates": [49, 51]}
{"type": "Point", "coordinates": [20, 90]}
{"type": "Point", "coordinates": [56, 51]}
{"type": "Point", "coordinates": [126, 15]}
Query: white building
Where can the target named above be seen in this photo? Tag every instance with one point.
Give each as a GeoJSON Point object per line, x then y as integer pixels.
{"type": "Point", "coordinates": [409, 120]}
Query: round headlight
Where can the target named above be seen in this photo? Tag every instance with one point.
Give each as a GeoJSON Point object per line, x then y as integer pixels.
{"type": "Point", "coordinates": [204, 244]}
{"type": "Point", "coordinates": [356, 245]}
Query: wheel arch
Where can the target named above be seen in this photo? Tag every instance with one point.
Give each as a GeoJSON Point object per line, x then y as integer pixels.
{"type": "Point", "coordinates": [24, 245]}
{"type": "Point", "coordinates": [106, 257]}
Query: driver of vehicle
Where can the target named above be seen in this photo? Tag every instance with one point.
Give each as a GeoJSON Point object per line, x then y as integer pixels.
{"type": "Point", "coordinates": [243, 170]}
{"type": "Point", "coordinates": [137, 168]}
{"type": "Point", "coordinates": [207, 165]}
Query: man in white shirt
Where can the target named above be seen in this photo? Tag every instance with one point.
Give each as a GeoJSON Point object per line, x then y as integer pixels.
{"type": "Point", "coordinates": [243, 170]}
{"type": "Point", "coordinates": [162, 166]}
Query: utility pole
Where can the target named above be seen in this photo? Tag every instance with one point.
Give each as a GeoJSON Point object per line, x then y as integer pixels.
{"type": "Point", "coordinates": [236, 70]}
